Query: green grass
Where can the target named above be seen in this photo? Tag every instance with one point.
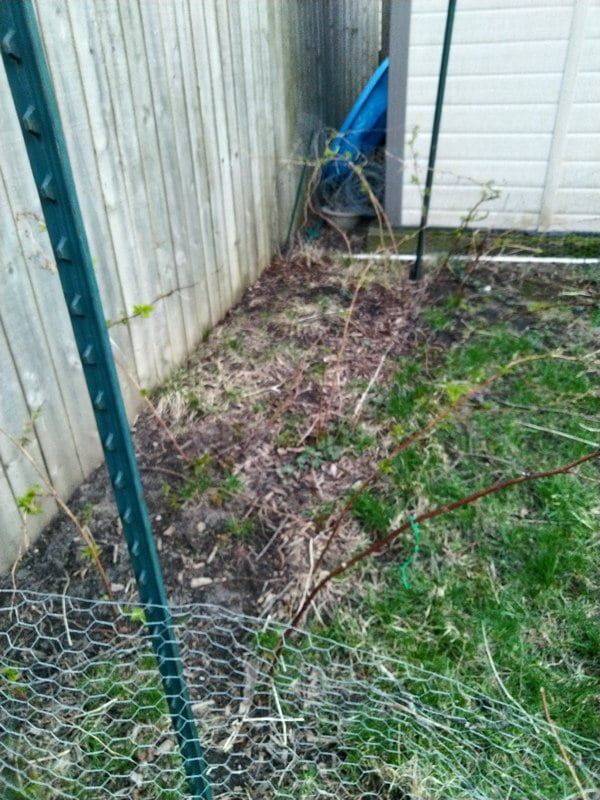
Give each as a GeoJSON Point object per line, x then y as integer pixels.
{"type": "Point", "coordinates": [503, 595]}
{"type": "Point", "coordinates": [443, 240]}
{"type": "Point", "coordinates": [240, 528]}
{"type": "Point", "coordinates": [521, 565]}
{"type": "Point", "coordinates": [203, 475]}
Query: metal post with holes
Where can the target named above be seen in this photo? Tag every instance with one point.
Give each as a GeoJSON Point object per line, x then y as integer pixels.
{"type": "Point", "coordinates": [36, 107]}
{"type": "Point", "coordinates": [417, 268]}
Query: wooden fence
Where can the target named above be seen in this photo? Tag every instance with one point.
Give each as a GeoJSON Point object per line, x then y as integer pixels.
{"type": "Point", "coordinates": [183, 121]}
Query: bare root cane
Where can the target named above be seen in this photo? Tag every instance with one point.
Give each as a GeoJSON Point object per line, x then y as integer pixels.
{"type": "Point", "coordinates": [382, 543]}
{"type": "Point", "coordinates": [414, 437]}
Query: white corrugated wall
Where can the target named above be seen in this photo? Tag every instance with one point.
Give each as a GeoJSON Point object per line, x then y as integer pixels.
{"type": "Point", "coordinates": [183, 120]}
{"type": "Point", "coordinates": [522, 110]}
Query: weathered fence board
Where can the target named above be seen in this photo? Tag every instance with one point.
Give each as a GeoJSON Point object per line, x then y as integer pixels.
{"type": "Point", "coordinates": [184, 122]}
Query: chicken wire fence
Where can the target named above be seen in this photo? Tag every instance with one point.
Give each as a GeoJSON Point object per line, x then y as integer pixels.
{"type": "Point", "coordinates": [83, 715]}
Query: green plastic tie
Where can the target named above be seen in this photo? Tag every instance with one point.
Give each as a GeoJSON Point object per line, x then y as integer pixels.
{"type": "Point", "coordinates": [415, 529]}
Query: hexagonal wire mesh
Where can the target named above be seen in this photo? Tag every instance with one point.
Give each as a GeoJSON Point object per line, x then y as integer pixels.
{"type": "Point", "coordinates": [82, 715]}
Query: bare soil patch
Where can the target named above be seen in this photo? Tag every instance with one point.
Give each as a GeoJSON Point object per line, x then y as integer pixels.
{"type": "Point", "coordinates": [270, 411]}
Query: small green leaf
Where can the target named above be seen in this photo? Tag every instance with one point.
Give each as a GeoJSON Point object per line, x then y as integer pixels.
{"type": "Point", "coordinates": [137, 615]}
{"type": "Point", "coordinates": [11, 674]}
{"type": "Point", "coordinates": [91, 551]}
{"type": "Point", "coordinates": [143, 310]}
{"type": "Point", "coordinates": [456, 390]}
{"type": "Point", "coordinates": [28, 502]}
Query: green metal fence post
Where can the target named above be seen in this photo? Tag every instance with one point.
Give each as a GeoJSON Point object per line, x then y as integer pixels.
{"type": "Point", "coordinates": [37, 110]}
{"type": "Point", "coordinates": [417, 269]}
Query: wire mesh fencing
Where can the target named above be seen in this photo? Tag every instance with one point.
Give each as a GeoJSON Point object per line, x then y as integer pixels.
{"type": "Point", "coordinates": [83, 715]}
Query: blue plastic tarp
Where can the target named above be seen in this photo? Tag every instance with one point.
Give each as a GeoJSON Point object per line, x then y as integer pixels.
{"type": "Point", "coordinates": [364, 128]}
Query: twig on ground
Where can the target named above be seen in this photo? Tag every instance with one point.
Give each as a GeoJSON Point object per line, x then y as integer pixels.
{"type": "Point", "coordinates": [287, 402]}
{"type": "Point", "coordinates": [309, 574]}
{"type": "Point", "coordinates": [563, 752]}
{"type": "Point", "coordinates": [588, 428]}
{"type": "Point", "coordinates": [554, 432]}
{"type": "Point", "coordinates": [281, 716]}
{"type": "Point", "coordinates": [64, 611]}
{"type": "Point", "coordinates": [164, 470]}
{"type": "Point", "coordinates": [307, 433]}
{"type": "Point", "coordinates": [487, 457]}
{"type": "Point", "coordinates": [323, 415]}
{"type": "Point", "coordinates": [542, 409]}
{"type": "Point", "coordinates": [276, 598]}
{"type": "Point", "coordinates": [375, 376]}
{"type": "Point", "coordinates": [499, 679]}
{"type": "Point", "coordinates": [272, 539]}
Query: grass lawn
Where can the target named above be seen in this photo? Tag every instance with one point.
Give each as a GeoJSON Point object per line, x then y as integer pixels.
{"type": "Point", "coordinates": [519, 569]}
{"type": "Point", "coordinates": [515, 577]}
{"type": "Point", "coordinates": [501, 595]}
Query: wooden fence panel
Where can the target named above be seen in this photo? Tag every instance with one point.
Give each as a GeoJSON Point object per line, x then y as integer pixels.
{"type": "Point", "coordinates": [184, 121]}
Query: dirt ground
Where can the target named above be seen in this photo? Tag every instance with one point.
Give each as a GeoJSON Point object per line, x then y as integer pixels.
{"type": "Point", "coordinates": [261, 411]}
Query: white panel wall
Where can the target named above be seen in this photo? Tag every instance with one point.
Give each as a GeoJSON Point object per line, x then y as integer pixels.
{"type": "Point", "coordinates": [184, 120]}
{"type": "Point", "coordinates": [522, 110]}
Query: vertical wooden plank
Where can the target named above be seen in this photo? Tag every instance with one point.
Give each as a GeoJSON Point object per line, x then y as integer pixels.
{"type": "Point", "coordinates": [335, 70]}
{"type": "Point", "coordinates": [158, 21]}
{"type": "Point", "coordinates": [226, 191]}
{"type": "Point", "coordinates": [291, 136]}
{"type": "Point", "coordinates": [210, 154]}
{"type": "Point", "coordinates": [120, 264]}
{"type": "Point", "coordinates": [317, 23]}
{"type": "Point", "coordinates": [282, 138]}
{"type": "Point", "coordinates": [316, 30]}
{"type": "Point", "coordinates": [242, 94]}
{"type": "Point", "coordinates": [232, 107]}
{"type": "Point", "coordinates": [204, 176]}
{"type": "Point", "coordinates": [12, 535]}
{"type": "Point", "coordinates": [203, 295]}
{"type": "Point", "coordinates": [19, 475]}
{"type": "Point", "coordinates": [265, 78]}
{"type": "Point", "coordinates": [345, 30]}
{"type": "Point", "coordinates": [145, 167]}
{"type": "Point", "coordinates": [256, 121]}
{"type": "Point", "coordinates": [207, 150]}
{"type": "Point", "coordinates": [98, 203]}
